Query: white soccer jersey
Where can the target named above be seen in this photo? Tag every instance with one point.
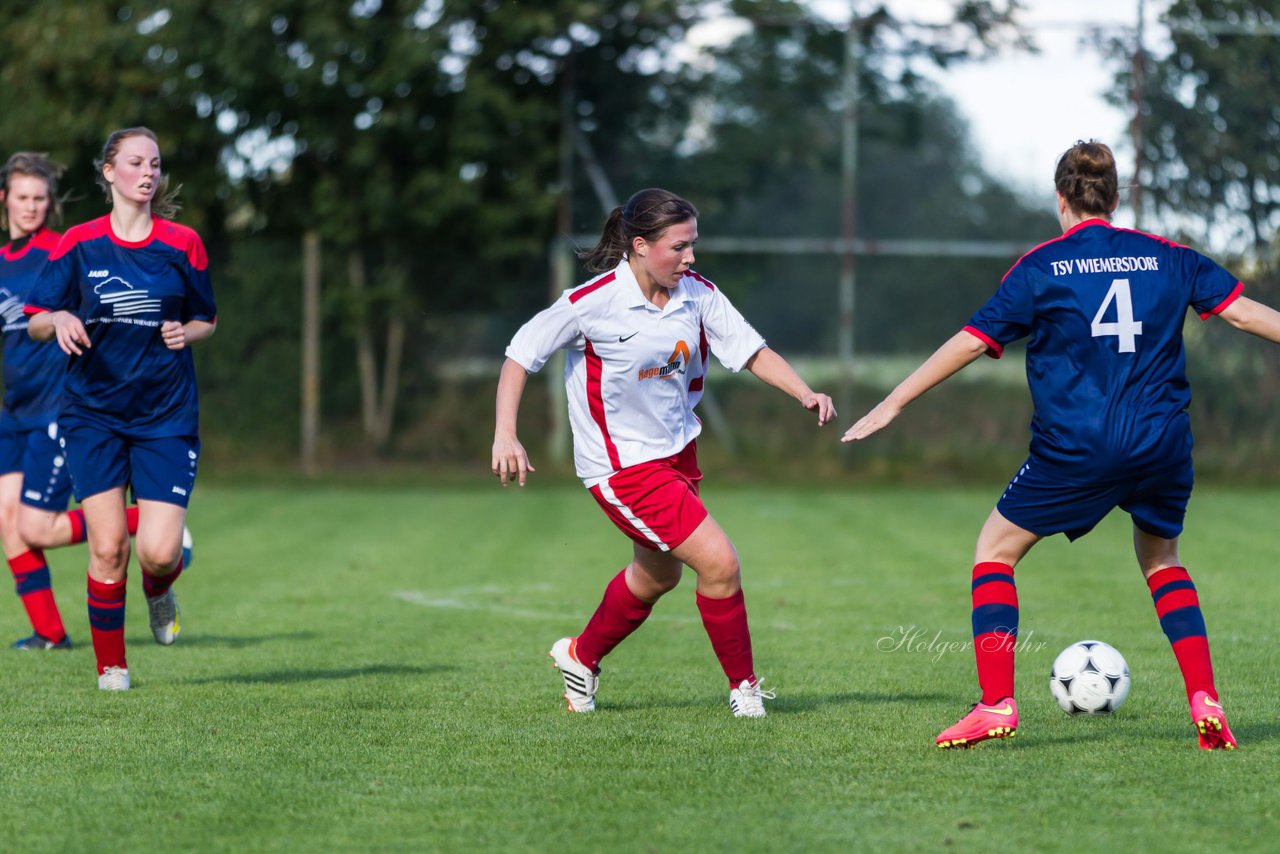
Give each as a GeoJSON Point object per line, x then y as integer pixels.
{"type": "Point", "coordinates": [634, 371]}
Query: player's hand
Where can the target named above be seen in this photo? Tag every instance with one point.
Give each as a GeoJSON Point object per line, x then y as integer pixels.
{"type": "Point", "coordinates": [174, 334]}
{"type": "Point", "coordinates": [70, 333]}
{"type": "Point", "coordinates": [821, 404]}
{"type": "Point", "coordinates": [510, 462]}
{"type": "Point", "coordinates": [875, 420]}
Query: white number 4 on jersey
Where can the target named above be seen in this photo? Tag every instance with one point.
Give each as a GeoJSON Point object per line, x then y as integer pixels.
{"type": "Point", "coordinates": [1125, 327]}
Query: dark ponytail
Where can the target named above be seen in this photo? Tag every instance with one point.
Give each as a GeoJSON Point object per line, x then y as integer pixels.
{"type": "Point", "coordinates": [1086, 177]}
{"type": "Point", "coordinates": [646, 214]}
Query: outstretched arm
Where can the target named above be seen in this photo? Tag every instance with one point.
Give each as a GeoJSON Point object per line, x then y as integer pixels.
{"type": "Point", "coordinates": [960, 350]}
{"type": "Point", "coordinates": [1253, 317]}
{"type": "Point", "coordinates": [777, 372]}
{"type": "Point", "coordinates": [510, 462]}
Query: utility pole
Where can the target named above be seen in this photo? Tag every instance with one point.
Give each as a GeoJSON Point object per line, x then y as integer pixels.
{"type": "Point", "coordinates": [1135, 126]}
{"type": "Point", "coordinates": [848, 213]}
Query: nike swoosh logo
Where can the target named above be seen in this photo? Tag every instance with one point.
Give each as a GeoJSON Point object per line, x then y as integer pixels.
{"type": "Point", "coordinates": [1007, 710]}
{"type": "Point", "coordinates": [1214, 703]}
{"type": "Point", "coordinates": [623, 340]}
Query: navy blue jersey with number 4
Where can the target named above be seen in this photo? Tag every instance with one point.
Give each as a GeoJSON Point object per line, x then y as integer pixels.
{"type": "Point", "coordinates": [32, 371]}
{"type": "Point", "coordinates": [122, 291]}
{"type": "Point", "coordinates": [1104, 308]}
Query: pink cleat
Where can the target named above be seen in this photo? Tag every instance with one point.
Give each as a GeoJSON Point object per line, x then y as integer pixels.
{"type": "Point", "coordinates": [1211, 723]}
{"type": "Point", "coordinates": [999, 720]}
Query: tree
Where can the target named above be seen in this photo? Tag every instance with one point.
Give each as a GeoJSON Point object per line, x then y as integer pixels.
{"type": "Point", "coordinates": [1210, 128]}
{"type": "Point", "coordinates": [418, 138]}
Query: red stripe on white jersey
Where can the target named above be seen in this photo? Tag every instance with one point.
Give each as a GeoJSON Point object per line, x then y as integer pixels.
{"type": "Point", "coordinates": [595, 402]}
{"type": "Point", "coordinates": [592, 287]}
{"type": "Point", "coordinates": [700, 278]}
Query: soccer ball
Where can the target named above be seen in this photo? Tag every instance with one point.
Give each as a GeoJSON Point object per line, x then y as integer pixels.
{"type": "Point", "coordinates": [1089, 678]}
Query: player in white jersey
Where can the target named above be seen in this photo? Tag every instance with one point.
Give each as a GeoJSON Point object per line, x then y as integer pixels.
{"type": "Point", "coordinates": [638, 337]}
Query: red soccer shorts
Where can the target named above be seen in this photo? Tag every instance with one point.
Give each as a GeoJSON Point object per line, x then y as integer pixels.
{"type": "Point", "coordinates": [655, 503]}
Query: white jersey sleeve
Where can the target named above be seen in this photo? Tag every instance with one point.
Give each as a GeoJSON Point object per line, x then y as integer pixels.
{"type": "Point", "coordinates": [731, 338]}
{"type": "Point", "coordinates": [556, 327]}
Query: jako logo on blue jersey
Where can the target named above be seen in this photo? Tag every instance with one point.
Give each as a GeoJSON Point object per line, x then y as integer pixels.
{"type": "Point", "coordinates": [124, 298]}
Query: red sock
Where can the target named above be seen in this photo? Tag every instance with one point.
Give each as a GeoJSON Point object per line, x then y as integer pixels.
{"type": "Point", "coordinates": [726, 623]}
{"type": "Point", "coordinates": [79, 532]}
{"type": "Point", "coordinates": [1178, 607]}
{"type": "Point", "coordinates": [158, 585]}
{"type": "Point", "coordinates": [995, 628]}
{"type": "Point", "coordinates": [620, 613]}
{"type": "Point", "coordinates": [106, 622]}
{"type": "Point", "coordinates": [31, 577]}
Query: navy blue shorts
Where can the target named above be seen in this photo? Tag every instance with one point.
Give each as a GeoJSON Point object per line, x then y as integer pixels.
{"type": "Point", "coordinates": [160, 469]}
{"type": "Point", "coordinates": [46, 477]}
{"type": "Point", "coordinates": [1043, 504]}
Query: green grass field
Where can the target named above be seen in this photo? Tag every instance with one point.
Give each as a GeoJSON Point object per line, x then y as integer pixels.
{"type": "Point", "coordinates": [366, 669]}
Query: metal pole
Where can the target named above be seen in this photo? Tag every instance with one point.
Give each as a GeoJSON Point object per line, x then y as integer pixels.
{"type": "Point", "coordinates": [1139, 64]}
{"type": "Point", "coordinates": [310, 405]}
{"type": "Point", "coordinates": [561, 268]}
{"type": "Point", "coordinates": [849, 216]}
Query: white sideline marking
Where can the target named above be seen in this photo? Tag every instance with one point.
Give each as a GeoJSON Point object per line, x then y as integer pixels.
{"type": "Point", "coordinates": [453, 601]}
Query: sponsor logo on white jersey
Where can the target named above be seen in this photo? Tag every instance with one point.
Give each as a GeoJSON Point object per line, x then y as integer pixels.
{"type": "Point", "coordinates": [674, 367]}
{"type": "Point", "coordinates": [124, 298]}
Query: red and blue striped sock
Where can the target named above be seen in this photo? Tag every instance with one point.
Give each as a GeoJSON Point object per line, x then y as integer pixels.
{"type": "Point", "coordinates": [725, 621]}
{"type": "Point", "coordinates": [1178, 607]}
{"type": "Point", "coordinates": [995, 628]}
{"type": "Point", "coordinates": [158, 585]}
{"type": "Point", "coordinates": [31, 577]}
{"type": "Point", "coordinates": [620, 613]}
{"type": "Point", "coordinates": [106, 622]}
{"type": "Point", "coordinates": [79, 533]}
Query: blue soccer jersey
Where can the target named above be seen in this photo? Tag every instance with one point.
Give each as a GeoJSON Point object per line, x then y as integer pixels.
{"type": "Point", "coordinates": [1104, 308]}
{"type": "Point", "coordinates": [32, 372]}
{"type": "Point", "coordinates": [128, 381]}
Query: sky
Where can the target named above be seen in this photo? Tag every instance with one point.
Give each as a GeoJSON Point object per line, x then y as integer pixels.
{"type": "Point", "coordinates": [1026, 109]}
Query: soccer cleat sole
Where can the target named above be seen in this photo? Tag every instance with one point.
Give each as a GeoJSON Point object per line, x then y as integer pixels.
{"type": "Point", "coordinates": [1211, 735]}
{"type": "Point", "coordinates": [969, 743]}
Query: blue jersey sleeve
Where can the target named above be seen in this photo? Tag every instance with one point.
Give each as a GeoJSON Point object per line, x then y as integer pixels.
{"type": "Point", "coordinates": [1212, 287]}
{"type": "Point", "coordinates": [55, 289]}
{"type": "Point", "coordinates": [198, 303]}
{"type": "Point", "coordinates": [1008, 315]}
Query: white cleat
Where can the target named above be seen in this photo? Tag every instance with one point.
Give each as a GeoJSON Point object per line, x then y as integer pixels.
{"type": "Point", "coordinates": [580, 681]}
{"type": "Point", "coordinates": [747, 700]}
{"type": "Point", "coordinates": [114, 679]}
{"type": "Point", "coordinates": [165, 615]}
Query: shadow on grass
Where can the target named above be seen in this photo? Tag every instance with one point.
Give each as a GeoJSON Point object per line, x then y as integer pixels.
{"type": "Point", "coordinates": [286, 676]}
{"type": "Point", "coordinates": [789, 704]}
{"type": "Point", "coordinates": [231, 641]}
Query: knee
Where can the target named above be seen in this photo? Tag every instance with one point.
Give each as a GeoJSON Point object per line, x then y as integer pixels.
{"type": "Point", "coordinates": [110, 558]}
{"type": "Point", "coordinates": [722, 567]}
{"type": "Point", "coordinates": [158, 561]}
{"type": "Point", "coordinates": [663, 585]}
{"type": "Point", "coordinates": [36, 532]}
